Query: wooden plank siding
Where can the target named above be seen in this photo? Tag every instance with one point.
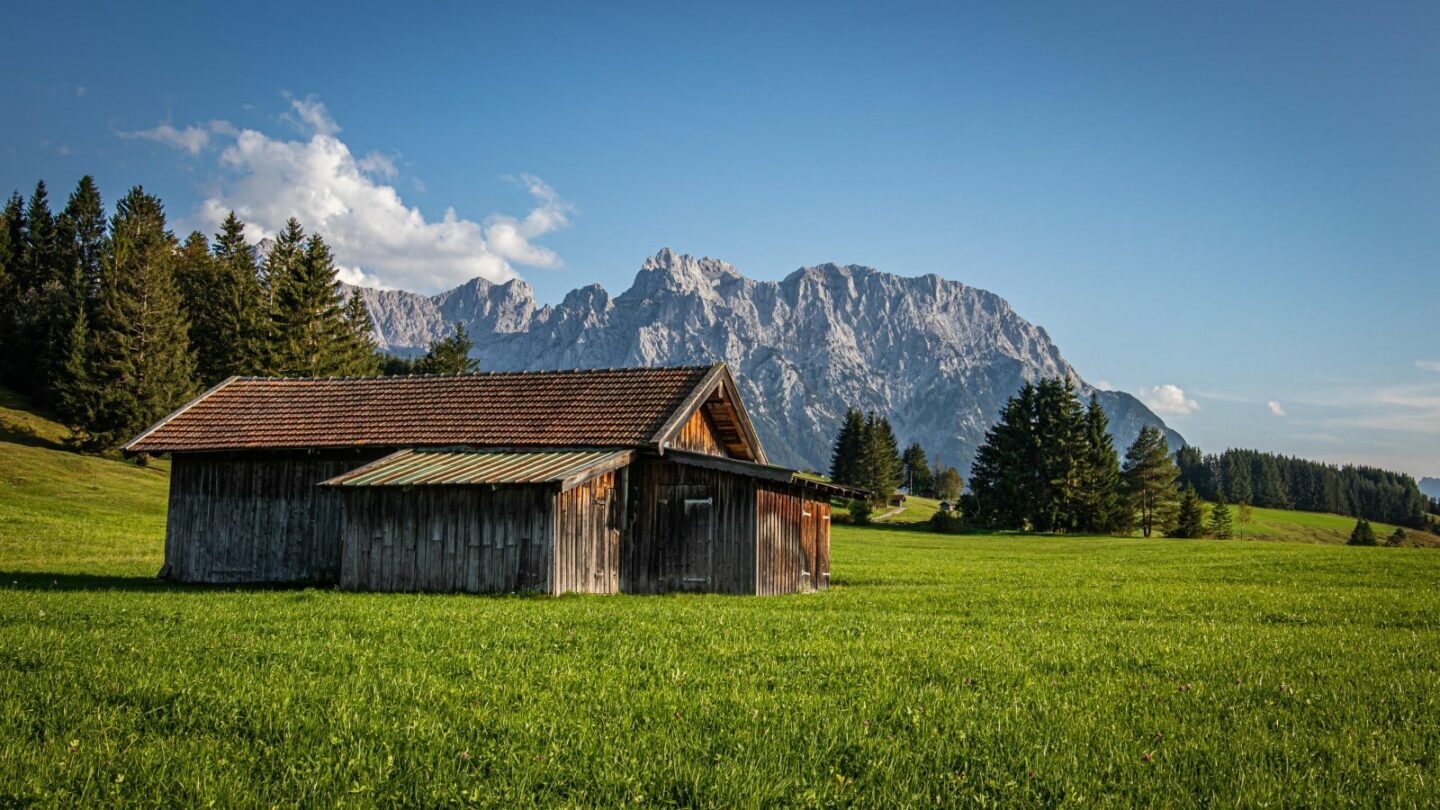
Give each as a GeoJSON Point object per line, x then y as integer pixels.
{"type": "Point", "coordinates": [463, 538]}
{"type": "Point", "coordinates": [687, 529]}
{"type": "Point", "coordinates": [587, 537]}
{"type": "Point", "coordinates": [793, 540]}
{"type": "Point", "coordinates": [699, 436]}
{"type": "Point", "coordinates": [255, 516]}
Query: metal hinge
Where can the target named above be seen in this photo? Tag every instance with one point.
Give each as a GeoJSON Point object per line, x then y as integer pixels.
{"type": "Point", "coordinates": [694, 501]}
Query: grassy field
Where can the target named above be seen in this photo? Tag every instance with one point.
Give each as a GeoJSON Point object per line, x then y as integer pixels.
{"type": "Point", "coordinates": [1005, 670]}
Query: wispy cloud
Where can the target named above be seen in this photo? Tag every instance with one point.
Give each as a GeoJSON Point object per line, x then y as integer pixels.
{"type": "Point", "coordinates": [1275, 407]}
{"type": "Point", "coordinates": [376, 237]}
{"type": "Point", "coordinates": [1168, 399]}
{"type": "Point", "coordinates": [1408, 408]}
{"type": "Point", "coordinates": [1428, 365]}
{"type": "Point", "coordinates": [192, 139]}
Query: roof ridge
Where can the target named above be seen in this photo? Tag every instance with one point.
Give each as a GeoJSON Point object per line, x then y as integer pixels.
{"type": "Point", "coordinates": [465, 375]}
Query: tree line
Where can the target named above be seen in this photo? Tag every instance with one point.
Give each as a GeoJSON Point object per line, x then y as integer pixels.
{"type": "Point", "coordinates": [867, 455]}
{"type": "Point", "coordinates": [111, 322]}
{"type": "Point", "coordinates": [1280, 482]}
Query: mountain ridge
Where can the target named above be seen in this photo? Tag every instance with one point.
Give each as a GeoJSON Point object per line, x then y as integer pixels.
{"type": "Point", "coordinates": [939, 356]}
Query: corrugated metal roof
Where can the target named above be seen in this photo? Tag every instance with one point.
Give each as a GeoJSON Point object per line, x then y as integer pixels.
{"type": "Point", "coordinates": [459, 467]}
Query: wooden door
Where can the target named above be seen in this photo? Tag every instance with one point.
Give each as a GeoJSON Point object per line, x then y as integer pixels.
{"type": "Point", "coordinates": [809, 536]}
{"type": "Point", "coordinates": [606, 531]}
{"type": "Point", "coordinates": [822, 543]}
{"type": "Point", "coordinates": [687, 535]}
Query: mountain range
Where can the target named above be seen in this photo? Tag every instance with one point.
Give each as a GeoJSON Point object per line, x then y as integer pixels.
{"type": "Point", "coordinates": [938, 356]}
{"type": "Point", "coordinates": [1430, 486]}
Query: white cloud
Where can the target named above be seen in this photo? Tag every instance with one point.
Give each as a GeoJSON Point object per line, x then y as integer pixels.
{"type": "Point", "coordinates": [376, 238]}
{"type": "Point", "coordinates": [1275, 407]}
{"type": "Point", "coordinates": [1104, 385]}
{"type": "Point", "coordinates": [192, 139]}
{"type": "Point", "coordinates": [1168, 399]}
{"type": "Point", "coordinates": [79, 91]}
{"type": "Point", "coordinates": [1428, 365]}
{"type": "Point", "coordinates": [311, 116]}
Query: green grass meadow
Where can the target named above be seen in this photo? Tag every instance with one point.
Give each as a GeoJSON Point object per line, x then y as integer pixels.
{"type": "Point", "coordinates": [970, 670]}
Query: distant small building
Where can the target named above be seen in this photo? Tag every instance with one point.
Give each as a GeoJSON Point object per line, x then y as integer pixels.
{"type": "Point", "coordinates": [603, 481]}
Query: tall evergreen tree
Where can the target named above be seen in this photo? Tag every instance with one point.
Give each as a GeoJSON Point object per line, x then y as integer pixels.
{"type": "Point", "coordinates": [12, 236]}
{"type": "Point", "coordinates": [139, 361]}
{"type": "Point", "coordinates": [31, 344]}
{"type": "Point", "coordinates": [1100, 510]}
{"type": "Point", "coordinates": [359, 353]}
{"type": "Point", "coordinates": [880, 465]}
{"type": "Point", "coordinates": [918, 477]}
{"type": "Point", "coordinates": [82, 232]}
{"type": "Point", "coordinates": [1220, 526]}
{"type": "Point", "coordinates": [849, 441]}
{"type": "Point", "coordinates": [1149, 478]}
{"type": "Point", "coordinates": [242, 314]}
{"type": "Point", "coordinates": [310, 333]}
{"type": "Point", "coordinates": [1060, 436]}
{"type": "Point", "coordinates": [197, 277]}
{"type": "Point", "coordinates": [1190, 518]}
{"type": "Point", "coordinates": [1003, 476]}
{"type": "Point", "coordinates": [449, 355]}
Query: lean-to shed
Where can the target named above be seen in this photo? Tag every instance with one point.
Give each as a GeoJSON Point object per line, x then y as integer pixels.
{"type": "Point", "coordinates": [600, 481]}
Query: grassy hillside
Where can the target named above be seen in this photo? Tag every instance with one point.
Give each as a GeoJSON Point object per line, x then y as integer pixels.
{"type": "Point", "coordinates": [64, 512]}
{"type": "Point", "coordinates": [1008, 670]}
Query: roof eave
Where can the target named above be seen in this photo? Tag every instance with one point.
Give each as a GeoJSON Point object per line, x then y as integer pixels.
{"type": "Point", "coordinates": [129, 448]}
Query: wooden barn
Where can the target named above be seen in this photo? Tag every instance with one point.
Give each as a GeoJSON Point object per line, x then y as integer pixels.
{"type": "Point", "coordinates": [599, 481]}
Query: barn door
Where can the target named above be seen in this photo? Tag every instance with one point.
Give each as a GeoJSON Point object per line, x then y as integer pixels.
{"type": "Point", "coordinates": [809, 536]}
{"type": "Point", "coordinates": [822, 543]}
{"type": "Point", "coordinates": [688, 536]}
{"type": "Point", "coordinates": [606, 533]}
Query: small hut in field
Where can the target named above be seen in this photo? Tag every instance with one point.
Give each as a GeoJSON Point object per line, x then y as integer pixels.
{"type": "Point", "coordinates": [601, 481]}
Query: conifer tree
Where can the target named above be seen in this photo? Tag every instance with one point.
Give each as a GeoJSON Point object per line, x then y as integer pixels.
{"type": "Point", "coordinates": [1149, 479]}
{"type": "Point", "coordinates": [82, 233]}
{"type": "Point", "coordinates": [1190, 518]}
{"type": "Point", "coordinates": [449, 355]}
{"type": "Point", "coordinates": [139, 361]}
{"type": "Point", "coordinates": [310, 334]}
{"type": "Point", "coordinates": [30, 346]}
{"type": "Point", "coordinates": [241, 314]}
{"type": "Point", "coordinates": [1060, 436]}
{"type": "Point", "coordinates": [1099, 506]}
{"type": "Point", "coordinates": [12, 234]}
{"type": "Point", "coordinates": [1220, 526]}
{"type": "Point", "coordinates": [880, 464]}
{"type": "Point", "coordinates": [360, 355]}
{"type": "Point", "coordinates": [918, 477]}
{"type": "Point", "coordinates": [197, 278]}
{"type": "Point", "coordinates": [1003, 476]}
{"type": "Point", "coordinates": [845, 457]}
{"type": "Point", "coordinates": [1396, 538]}
{"type": "Point", "coordinates": [1362, 535]}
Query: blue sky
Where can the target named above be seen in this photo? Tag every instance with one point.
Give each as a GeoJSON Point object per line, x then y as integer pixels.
{"type": "Point", "coordinates": [1213, 205]}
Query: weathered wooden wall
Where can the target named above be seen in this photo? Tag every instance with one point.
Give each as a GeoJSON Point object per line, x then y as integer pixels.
{"type": "Point", "coordinates": [463, 538]}
{"type": "Point", "coordinates": [587, 536]}
{"type": "Point", "coordinates": [687, 529]}
{"type": "Point", "coordinates": [255, 516]}
{"type": "Point", "coordinates": [793, 540]}
{"type": "Point", "coordinates": [698, 436]}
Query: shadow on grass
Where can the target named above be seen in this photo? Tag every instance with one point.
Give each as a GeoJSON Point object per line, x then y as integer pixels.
{"type": "Point", "coordinates": [46, 581]}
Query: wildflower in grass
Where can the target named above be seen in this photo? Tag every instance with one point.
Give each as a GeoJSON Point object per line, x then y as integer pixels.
{"type": "Point", "coordinates": [74, 746]}
{"type": "Point", "coordinates": [465, 755]}
{"type": "Point", "coordinates": [1145, 757]}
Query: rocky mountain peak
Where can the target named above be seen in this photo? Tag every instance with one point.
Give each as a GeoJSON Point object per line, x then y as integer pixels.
{"type": "Point", "coordinates": [938, 356]}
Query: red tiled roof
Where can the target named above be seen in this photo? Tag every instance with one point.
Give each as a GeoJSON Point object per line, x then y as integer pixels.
{"type": "Point", "coordinates": [600, 408]}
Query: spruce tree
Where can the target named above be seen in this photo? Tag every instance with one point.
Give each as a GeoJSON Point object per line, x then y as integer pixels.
{"type": "Point", "coordinates": [918, 477]}
{"type": "Point", "coordinates": [845, 457]}
{"type": "Point", "coordinates": [241, 314]}
{"type": "Point", "coordinates": [1190, 518]}
{"type": "Point", "coordinates": [12, 240]}
{"type": "Point", "coordinates": [1362, 535]}
{"type": "Point", "coordinates": [197, 278]}
{"type": "Point", "coordinates": [1396, 538]}
{"type": "Point", "coordinates": [1100, 508]}
{"type": "Point", "coordinates": [360, 355]}
{"type": "Point", "coordinates": [880, 465]}
{"type": "Point", "coordinates": [1060, 435]}
{"type": "Point", "coordinates": [1003, 475]}
{"type": "Point", "coordinates": [32, 344]}
{"type": "Point", "coordinates": [449, 355]}
{"type": "Point", "coordinates": [1220, 526]}
{"type": "Point", "coordinates": [310, 333]}
{"type": "Point", "coordinates": [82, 230]}
{"type": "Point", "coordinates": [139, 361]}
{"type": "Point", "coordinates": [1149, 480]}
